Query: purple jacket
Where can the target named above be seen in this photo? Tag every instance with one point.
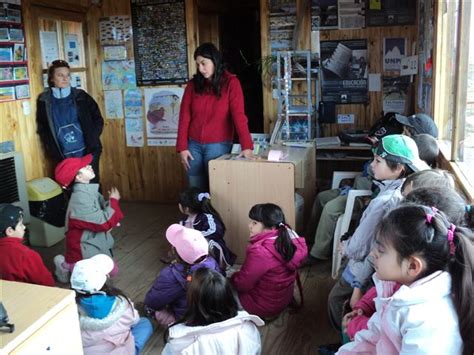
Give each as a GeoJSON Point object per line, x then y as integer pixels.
{"type": "Point", "coordinates": [265, 282]}
{"type": "Point", "coordinates": [169, 288]}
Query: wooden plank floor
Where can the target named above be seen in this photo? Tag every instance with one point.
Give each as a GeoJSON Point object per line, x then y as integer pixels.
{"type": "Point", "coordinates": [140, 241]}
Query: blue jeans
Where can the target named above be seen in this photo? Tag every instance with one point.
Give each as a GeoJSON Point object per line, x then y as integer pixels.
{"type": "Point", "coordinates": [141, 332]}
{"type": "Point", "coordinates": [198, 173]}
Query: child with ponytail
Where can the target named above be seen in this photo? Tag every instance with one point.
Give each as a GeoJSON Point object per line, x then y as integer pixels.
{"type": "Point", "coordinates": [433, 311]}
{"type": "Point", "coordinates": [266, 280]}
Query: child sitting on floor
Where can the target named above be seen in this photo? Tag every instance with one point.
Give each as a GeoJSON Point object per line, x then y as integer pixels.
{"type": "Point", "coordinates": [214, 322]}
{"type": "Point", "coordinates": [431, 313]}
{"type": "Point", "coordinates": [266, 280]}
{"type": "Point", "coordinates": [166, 300]}
{"type": "Point", "coordinates": [17, 261]}
{"type": "Point", "coordinates": [89, 218]}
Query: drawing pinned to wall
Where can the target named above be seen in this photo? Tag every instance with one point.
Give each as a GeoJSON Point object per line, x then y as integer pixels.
{"type": "Point", "coordinates": [395, 93]}
{"type": "Point", "coordinates": [113, 104]}
{"type": "Point", "coordinates": [72, 49]}
{"type": "Point", "coordinates": [115, 53]}
{"type": "Point", "coordinates": [134, 132]}
{"type": "Point", "coordinates": [160, 43]}
{"type": "Point", "coordinates": [162, 112]}
{"type": "Point", "coordinates": [118, 74]}
{"type": "Point", "coordinates": [394, 50]}
{"type": "Point", "coordinates": [49, 47]}
{"type": "Point", "coordinates": [115, 29]}
{"type": "Point", "coordinates": [324, 14]}
{"type": "Point", "coordinates": [133, 103]}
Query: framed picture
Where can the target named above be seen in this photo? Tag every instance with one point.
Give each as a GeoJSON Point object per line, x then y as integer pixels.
{"type": "Point", "coordinates": [4, 34]}
{"type": "Point", "coordinates": [6, 54]}
{"type": "Point", "coordinates": [20, 73]}
{"type": "Point", "coordinates": [22, 91]}
{"type": "Point", "coordinates": [16, 35]}
{"type": "Point", "coordinates": [14, 15]}
{"type": "Point", "coordinates": [6, 74]}
{"type": "Point", "coordinates": [18, 52]}
{"type": "Point", "coordinates": [7, 93]}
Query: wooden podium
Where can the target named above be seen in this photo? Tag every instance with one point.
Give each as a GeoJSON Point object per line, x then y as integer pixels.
{"type": "Point", "coordinates": [237, 185]}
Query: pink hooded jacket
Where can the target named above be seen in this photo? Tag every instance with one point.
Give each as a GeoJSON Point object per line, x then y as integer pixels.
{"type": "Point", "coordinates": [265, 282]}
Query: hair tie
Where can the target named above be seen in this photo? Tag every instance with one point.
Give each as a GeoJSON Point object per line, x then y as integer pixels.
{"type": "Point", "coordinates": [429, 217]}
{"type": "Point", "coordinates": [452, 247]}
{"type": "Point", "coordinates": [203, 195]}
{"type": "Point", "coordinates": [281, 224]}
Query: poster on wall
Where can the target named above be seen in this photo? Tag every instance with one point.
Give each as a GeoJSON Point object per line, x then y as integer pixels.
{"type": "Point", "coordinates": [160, 43]}
{"type": "Point", "coordinates": [72, 48]}
{"type": "Point", "coordinates": [324, 15]}
{"type": "Point", "coordinates": [162, 112]}
{"type": "Point", "coordinates": [113, 104]}
{"type": "Point", "coordinates": [134, 132]}
{"type": "Point", "coordinates": [351, 14]}
{"type": "Point", "coordinates": [394, 50]}
{"type": "Point", "coordinates": [133, 103]}
{"type": "Point", "coordinates": [49, 47]}
{"type": "Point", "coordinates": [115, 52]}
{"type": "Point", "coordinates": [395, 91]}
{"type": "Point", "coordinates": [118, 74]}
{"type": "Point", "coordinates": [391, 12]}
{"type": "Point", "coordinates": [115, 29]}
{"type": "Point", "coordinates": [282, 25]}
{"type": "Point", "coordinates": [345, 71]}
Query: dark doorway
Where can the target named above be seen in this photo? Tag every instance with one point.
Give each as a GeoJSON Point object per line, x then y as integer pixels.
{"type": "Point", "coordinates": [239, 33]}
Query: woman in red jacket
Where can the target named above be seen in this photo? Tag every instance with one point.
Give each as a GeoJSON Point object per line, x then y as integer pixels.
{"type": "Point", "coordinates": [266, 280]}
{"type": "Point", "coordinates": [212, 107]}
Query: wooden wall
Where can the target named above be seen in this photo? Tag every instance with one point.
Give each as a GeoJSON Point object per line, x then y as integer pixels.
{"type": "Point", "coordinates": [154, 173]}
{"type": "Point", "coordinates": [365, 115]}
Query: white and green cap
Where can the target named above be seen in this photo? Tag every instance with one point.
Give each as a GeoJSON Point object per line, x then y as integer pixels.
{"type": "Point", "coordinates": [400, 148]}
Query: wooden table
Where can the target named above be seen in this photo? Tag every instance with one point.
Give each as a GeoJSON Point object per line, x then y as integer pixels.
{"type": "Point", "coordinates": [237, 185]}
{"type": "Point", "coordinates": [46, 320]}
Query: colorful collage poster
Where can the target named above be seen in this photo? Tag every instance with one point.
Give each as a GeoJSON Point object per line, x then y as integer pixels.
{"type": "Point", "coordinates": [162, 112]}
{"type": "Point", "coordinates": [118, 74]}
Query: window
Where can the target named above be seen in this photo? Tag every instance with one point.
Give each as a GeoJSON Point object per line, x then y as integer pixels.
{"type": "Point", "coordinates": [454, 84]}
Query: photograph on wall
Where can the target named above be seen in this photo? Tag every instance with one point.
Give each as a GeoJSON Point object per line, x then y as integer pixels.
{"type": "Point", "coordinates": [4, 34]}
{"type": "Point", "coordinates": [7, 93]}
{"type": "Point", "coordinates": [49, 47]}
{"type": "Point", "coordinates": [20, 73]}
{"type": "Point", "coordinates": [394, 50]}
{"type": "Point", "coordinates": [324, 15]}
{"type": "Point", "coordinates": [118, 74]}
{"type": "Point", "coordinates": [22, 91]}
{"type": "Point", "coordinates": [16, 35]}
{"type": "Point", "coordinates": [395, 90]}
{"type": "Point", "coordinates": [351, 14]}
{"type": "Point", "coordinates": [113, 104]}
{"type": "Point", "coordinates": [6, 54]}
{"type": "Point", "coordinates": [6, 74]}
{"type": "Point", "coordinates": [134, 132]}
{"type": "Point", "coordinates": [160, 42]}
{"type": "Point", "coordinates": [115, 29]}
{"type": "Point", "coordinates": [76, 80]}
{"type": "Point", "coordinates": [133, 103]}
{"type": "Point", "coordinates": [72, 49]}
{"type": "Point", "coordinates": [162, 112]}
{"type": "Point", "coordinates": [115, 53]}
{"type": "Point", "coordinates": [391, 12]}
{"type": "Point", "coordinates": [345, 71]}
{"type": "Point", "coordinates": [18, 52]}
{"type": "Point", "coordinates": [13, 14]}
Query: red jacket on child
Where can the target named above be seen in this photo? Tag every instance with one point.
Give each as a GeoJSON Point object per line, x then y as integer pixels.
{"type": "Point", "coordinates": [265, 282]}
{"type": "Point", "coordinates": [206, 118]}
{"type": "Point", "coordinates": [22, 264]}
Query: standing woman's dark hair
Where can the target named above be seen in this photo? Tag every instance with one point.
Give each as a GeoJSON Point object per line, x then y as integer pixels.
{"type": "Point", "coordinates": [271, 216]}
{"type": "Point", "coordinates": [443, 246]}
{"type": "Point", "coordinates": [209, 51]}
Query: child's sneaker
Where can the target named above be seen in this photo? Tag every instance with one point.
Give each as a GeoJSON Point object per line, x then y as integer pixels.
{"type": "Point", "coordinates": [62, 274]}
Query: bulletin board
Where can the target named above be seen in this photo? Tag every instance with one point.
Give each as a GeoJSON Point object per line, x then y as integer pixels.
{"type": "Point", "coordinates": [159, 36]}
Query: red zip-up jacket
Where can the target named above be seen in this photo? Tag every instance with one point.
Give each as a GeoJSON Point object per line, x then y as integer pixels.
{"type": "Point", "coordinates": [22, 264]}
{"type": "Point", "coordinates": [205, 118]}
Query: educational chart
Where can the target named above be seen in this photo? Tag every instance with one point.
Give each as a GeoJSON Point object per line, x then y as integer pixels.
{"type": "Point", "coordinates": [345, 71]}
{"type": "Point", "coordinates": [160, 45]}
{"type": "Point", "coordinates": [115, 29]}
{"type": "Point", "coordinates": [162, 112]}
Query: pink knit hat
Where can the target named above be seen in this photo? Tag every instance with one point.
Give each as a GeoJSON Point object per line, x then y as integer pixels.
{"type": "Point", "coordinates": [190, 244]}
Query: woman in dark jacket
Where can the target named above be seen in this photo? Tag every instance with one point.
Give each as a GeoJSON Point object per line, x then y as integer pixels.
{"type": "Point", "coordinates": [68, 120]}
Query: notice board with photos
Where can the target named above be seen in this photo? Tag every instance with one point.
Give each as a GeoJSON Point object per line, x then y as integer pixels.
{"type": "Point", "coordinates": [159, 36]}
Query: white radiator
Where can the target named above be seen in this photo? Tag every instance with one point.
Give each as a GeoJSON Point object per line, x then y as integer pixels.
{"type": "Point", "coordinates": [13, 183]}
